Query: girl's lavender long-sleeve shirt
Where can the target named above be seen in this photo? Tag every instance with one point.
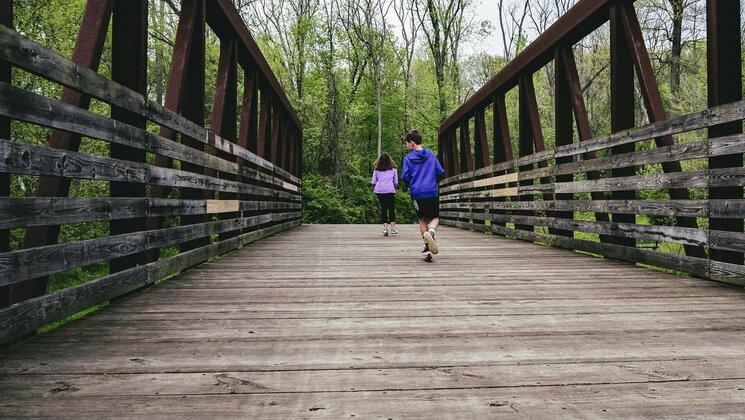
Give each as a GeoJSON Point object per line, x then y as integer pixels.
{"type": "Point", "coordinates": [385, 182]}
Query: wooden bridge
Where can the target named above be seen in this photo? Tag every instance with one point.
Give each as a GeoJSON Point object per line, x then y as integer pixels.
{"type": "Point", "coordinates": [217, 301]}
{"type": "Point", "coordinates": [338, 321]}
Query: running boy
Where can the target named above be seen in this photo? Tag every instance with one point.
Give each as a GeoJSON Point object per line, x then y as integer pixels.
{"type": "Point", "coordinates": [421, 171]}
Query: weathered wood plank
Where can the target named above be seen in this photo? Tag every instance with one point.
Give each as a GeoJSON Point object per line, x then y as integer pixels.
{"type": "Point", "coordinates": [293, 327]}
{"type": "Point", "coordinates": [53, 66]}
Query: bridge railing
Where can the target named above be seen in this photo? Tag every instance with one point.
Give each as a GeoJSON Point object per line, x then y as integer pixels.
{"type": "Point", "coordinates": [177, 198]}
{"type": "Point", "coordinates": [636, 195]}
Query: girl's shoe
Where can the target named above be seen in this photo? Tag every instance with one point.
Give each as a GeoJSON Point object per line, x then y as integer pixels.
{"type": "Point", "coordinates": [394, 231]}
{"type": "Point", "coordinates": [385, 232]}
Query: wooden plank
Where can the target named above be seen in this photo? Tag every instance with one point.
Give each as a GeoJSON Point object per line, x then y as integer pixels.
{"type": "Point", "coordinates": [25, 317]}
{"type": "Point", "coordinates": [36, 160]}
{"type": "Point", "coordinates": [34, 262]}
{"type": "Point", "coordinates": [222, 206]}
{"type": "Point", "coordinates": [292, 327]}
{"type": "Point", "coordinates": [50, 65]}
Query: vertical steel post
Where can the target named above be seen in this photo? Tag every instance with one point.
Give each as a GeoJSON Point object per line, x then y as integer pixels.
{"type": "Point", "coordinates": [622, 106]}
{"type": "Point", "coordinates": [655, 109]}
{"type": "Point", "coordinates": [563, 129]}
{"type": "Point", "coordinates": [724, 85]}
{"type": "Point", "coordinates": [466, 156]}
{"type": "Point", "coordinates": [481, 146]}
{"type": "Point", "coordinates": [175, 93]}
{"type": "Point", "coordinates": [224, 118]}
{"type": "Point", "coordinates": [193, 108]}
{"type": "Point", "coordinates": [502, 142]}
{"type": "Point", "coordinates": [128, 68]}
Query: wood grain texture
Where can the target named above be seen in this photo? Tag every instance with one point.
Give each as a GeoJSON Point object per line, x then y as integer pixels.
{"type": "Point", "coordinates": [339, 321]}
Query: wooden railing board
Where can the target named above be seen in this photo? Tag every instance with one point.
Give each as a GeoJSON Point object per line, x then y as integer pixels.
{"type": "Point", "coordinates": [38, 211]}
{"type": "Point", "coordinates": [37, 59]}
{"type": "Point", "coordinates": [31, 314]}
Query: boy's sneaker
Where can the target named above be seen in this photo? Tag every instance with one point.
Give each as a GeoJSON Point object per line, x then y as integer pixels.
{"type": "Point", "coordinates": [385, 232]}
{"type": "Point", "coordinates": [394, 231]}
{"type": "Point", "coordinates": [425, 249]}
{"type": "Point", "coordinates": [429, 240]}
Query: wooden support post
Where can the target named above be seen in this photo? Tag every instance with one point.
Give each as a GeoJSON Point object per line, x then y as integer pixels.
{"type": "Point", "coordinates": [6, 18]}
{"type": "Point", "coordinates": [622, 107]}
{"type": "Point", "coordinates": [724, 86]}
{"type": "Point", "coordinates": [128, 68]}
{"type": "Point", "coordinates": [87, 53]}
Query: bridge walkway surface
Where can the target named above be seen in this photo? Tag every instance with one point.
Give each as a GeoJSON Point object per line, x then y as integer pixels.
{"type": "Point", "coordinates": [338, 321]}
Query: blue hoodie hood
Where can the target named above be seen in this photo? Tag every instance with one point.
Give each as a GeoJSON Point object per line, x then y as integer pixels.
{"type": "Point", "coordinates": [421, 171]}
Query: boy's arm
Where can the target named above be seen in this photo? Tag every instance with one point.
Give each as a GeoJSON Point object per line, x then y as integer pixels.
{"type": "Point", "coordinates": [405, 175]}
{"type": "Point", "coordinates": [439, 172]}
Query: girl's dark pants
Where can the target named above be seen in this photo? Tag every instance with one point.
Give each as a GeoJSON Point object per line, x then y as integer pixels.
{"type": "Point", "coordinates": [387, 207]}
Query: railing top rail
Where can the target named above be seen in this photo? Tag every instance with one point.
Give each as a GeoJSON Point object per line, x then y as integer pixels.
{"type": "Point", "coordinates": [575, 24]}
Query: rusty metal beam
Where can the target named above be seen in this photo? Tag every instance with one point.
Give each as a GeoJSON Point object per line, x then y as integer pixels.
{"type": "Point", "coordinates": [249, 112]}
{"type": "Point", "coordinates": [582, 122]}
{"type": "Point", "coordinates": [655, 108]}
{"type": "Point", "coordinates": [128, 68]}
{"type": "Point", "coordinates": [563, 128]}
{"type": "Point", "coordinates": [502, 141]}
{"type": "Point", "coordinates": [481, 145]}
{"type": "Point", "coordinates": [264, 118]}
{"type": "Point", "coordinates": [174, 95]}
{"type": "Point", "coordinates": [622, 106]}
{"type": "Point", "coordinates": [724, 67]}
{"type": "Point", "coordinates": [454, 155]}
{"type": "Point", "coordinates": [527, 133]}
{"type": "Point", "coordinates": [466, 157]}
{"type": "Point", "coordinates": [193, 108]}
{"type": "Point", "coordinates": [273, 146]}
{"type": "Point", "coordinates": [573, 26]}
{"type": "Point", "coordinates": [225, 21]}
{"type": "Point", "coordinates": [224, 118]}
{"type": "Point", "coordinates": [87, 53]}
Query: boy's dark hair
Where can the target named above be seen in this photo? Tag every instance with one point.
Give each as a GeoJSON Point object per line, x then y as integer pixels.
{"type": "Point", "coordinates": [384, 162]}
{"type": "Point", "coordinates": [414, 135]}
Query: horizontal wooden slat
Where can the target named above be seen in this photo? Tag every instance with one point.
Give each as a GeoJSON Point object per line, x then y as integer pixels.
{"type": "Point", "coordinates": [696, 266]}
{"type": "Point", "coordinates": [41, 211]}
{"type": "Point", "coordinates": [693, 179]}
{"type": "Point", "coordinates": [27, 316]}
{"type": "Point", "coordinates": [29, 159]}
{"type": "Point", "coordinates": [29, 263]}
{"type": "Point", "coordinates": [223, 206]}
{"type": "Point", "coordinates": [40, 60]}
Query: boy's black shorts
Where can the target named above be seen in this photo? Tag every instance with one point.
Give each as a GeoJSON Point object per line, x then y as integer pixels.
{"type": "Point", "coordinates": [427, 208]}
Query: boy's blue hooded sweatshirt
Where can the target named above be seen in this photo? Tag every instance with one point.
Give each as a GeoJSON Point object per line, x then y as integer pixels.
{"type": "Point", "coordinates": [421, 171]}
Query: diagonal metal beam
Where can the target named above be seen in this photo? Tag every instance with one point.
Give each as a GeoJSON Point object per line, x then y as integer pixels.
{"type": "Point", "coordinates": [87, 53]}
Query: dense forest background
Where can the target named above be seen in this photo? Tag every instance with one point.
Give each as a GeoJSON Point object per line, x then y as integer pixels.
{"type": "Point", "coordinates": [360, 73]}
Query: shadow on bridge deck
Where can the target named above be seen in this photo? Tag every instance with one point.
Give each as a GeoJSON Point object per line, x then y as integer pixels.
{"type": "Point", "coordinates": [338, 321]}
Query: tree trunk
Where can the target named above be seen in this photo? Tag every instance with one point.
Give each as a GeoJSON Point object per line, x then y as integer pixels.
{"type": "Point", "coordinates": [675, 52]}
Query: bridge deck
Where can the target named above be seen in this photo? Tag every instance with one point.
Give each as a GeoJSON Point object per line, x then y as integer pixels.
{"type": "Point", "coordinates": [336, 321]}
